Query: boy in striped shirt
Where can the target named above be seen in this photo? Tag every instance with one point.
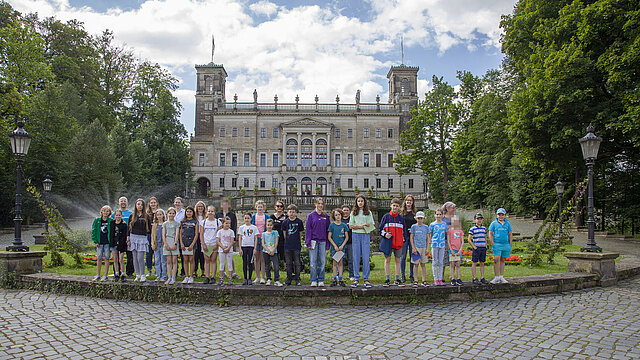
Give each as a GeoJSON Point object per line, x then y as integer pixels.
{"type": "Point", "coordinates": [477, 240]}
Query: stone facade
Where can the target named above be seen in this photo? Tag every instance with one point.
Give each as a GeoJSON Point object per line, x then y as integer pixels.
{"type": "Point", "coordinates": [309, 147]}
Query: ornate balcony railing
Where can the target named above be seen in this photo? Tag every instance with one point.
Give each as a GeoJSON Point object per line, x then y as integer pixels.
{"type": "Point", "coordinates": [308, 107]}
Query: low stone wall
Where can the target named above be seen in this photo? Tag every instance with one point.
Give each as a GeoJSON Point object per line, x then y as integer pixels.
{"type": "Point", "coordinates": [304, 295]}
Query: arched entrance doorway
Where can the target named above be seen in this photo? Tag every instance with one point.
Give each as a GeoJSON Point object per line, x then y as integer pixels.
{"type": "Point", "coordinates": [306, 186]}
{"type": "Point", "coordinates": [291, 183]}
{"type": "Point", "coordinates": [322, 184]}
{"type": "Point", "coordinates": [204, 185]}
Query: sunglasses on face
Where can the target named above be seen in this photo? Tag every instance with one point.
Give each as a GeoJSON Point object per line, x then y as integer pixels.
{"type": "Point", "coordinates": [279, 206]}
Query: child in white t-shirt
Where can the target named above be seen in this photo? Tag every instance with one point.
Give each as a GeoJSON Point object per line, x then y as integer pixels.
{"type": "Point", "coordinates": [247, 237]}
{"type": "Point", "coordinates": [209, 229]}
{"type": "Point", "coordinates": [225, 241]}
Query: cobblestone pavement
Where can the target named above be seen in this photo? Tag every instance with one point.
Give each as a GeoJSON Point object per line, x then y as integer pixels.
{"type": "Point", "coordinates": [598, 323]}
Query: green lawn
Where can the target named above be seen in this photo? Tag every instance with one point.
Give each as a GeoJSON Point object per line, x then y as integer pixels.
{"type": "Point", "coordinates": [377, 274]}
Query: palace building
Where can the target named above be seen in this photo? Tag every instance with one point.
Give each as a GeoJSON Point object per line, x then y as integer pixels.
{"type": "Point", "coordinates": [307, 147]}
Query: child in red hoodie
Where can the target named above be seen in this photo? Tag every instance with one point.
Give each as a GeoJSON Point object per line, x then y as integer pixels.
{"type": "Point", "coordinates": [393, 234]}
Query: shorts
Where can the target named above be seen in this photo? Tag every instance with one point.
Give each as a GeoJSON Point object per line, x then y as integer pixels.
{"type": "Point", "coordinates": [166, 252]}
{"type": "Point", "coordinates": [479, 255]}
{"type": "Point", "coordinates": [397, 252]}
{"type": "Point", "coordinates": [113, 248]}
{"type": "Point", "coordinates": [210, 250]}
{"type": "Point", "coordinates": [454, 258]}
{"type": "Point", "coordinates": [187, 252]}
{"type": "Point", "coordinates": [502, 251]}
{"type": "Point", "coordinates": [423, 256]}
{"type": "Point", "coordinates": [103, 251]}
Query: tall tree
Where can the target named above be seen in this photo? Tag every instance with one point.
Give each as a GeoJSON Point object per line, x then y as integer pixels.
{"type": "Point", "coordinates": [432, 128]}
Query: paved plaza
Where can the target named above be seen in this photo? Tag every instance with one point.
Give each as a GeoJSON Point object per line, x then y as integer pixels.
{"type": "Point", "coordinates": [598, 323]}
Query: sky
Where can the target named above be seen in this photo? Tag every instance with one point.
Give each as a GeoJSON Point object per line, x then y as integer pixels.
{"type": "Point", "coordinates": [297, 47]}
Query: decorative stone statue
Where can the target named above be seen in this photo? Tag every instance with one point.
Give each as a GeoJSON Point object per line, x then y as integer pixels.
{"type": "Point", "coordinates": [255, 95]}
{"type": "Point", "coordinates": [358, 96]}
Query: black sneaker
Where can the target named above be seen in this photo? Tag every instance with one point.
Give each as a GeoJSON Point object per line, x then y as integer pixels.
{"type": "Point", "coordinates": [459, 282]}
{"type": "Point", "coordinates": [341, 282]}
{"type": "Point", "coordinates": [287, 283]}
{"type": "Point", "coordinates": [206, 281]}
{"type": "Point", "coordinates": [476, 281]}
{"type": "Point", "coordinates": [116, 278]}
{"type": "Point", "coordinates": [453, 282]}
{"type": "Point", "coordinates": [396, 282]}
{"type": "Point", "coordinates": [334, 283]}
{"type": "Point", "coordinates": [404, 279]}
{"type": "Point", "coordinates": [386, 283]}
{"type": "Point", "coordinates": [298, 283]}
{"type": "Point", "coordinates": [483, 281]}
{"type": "Point", "coordinates": [411, 279]}
{"type": "Point", "coordinates": [367, 284]}
{"type": "Point", "coordinates": [415, 284]}
{"type": "Point", "coordinates": [123, 278]}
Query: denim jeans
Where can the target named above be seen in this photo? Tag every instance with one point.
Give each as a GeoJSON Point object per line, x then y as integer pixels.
{"type": "Point", "coordinates": [161, 263]}
{"type": "Point", "coordinates": [317, 258]}
{"type": "Point", "coordinates": [149, 259]}
{"type": "Point", "coordinates": [361, 245]}
{"type": "Point", "coordinates": [348, 254]}
{"type": "Point", "coordinates": [292, 258]}
{"type": "Point", "coordinates": [406, 250]}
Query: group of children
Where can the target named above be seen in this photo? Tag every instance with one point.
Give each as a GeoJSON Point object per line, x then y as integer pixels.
{"type": "Point", "coordinates": [259, 241]}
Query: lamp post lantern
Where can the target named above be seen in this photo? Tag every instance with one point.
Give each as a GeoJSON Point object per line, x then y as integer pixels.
{"type": "Point", "coordinates": [20, 141]}
{"type": "Point", "coordinates": [590, 144]}
{"type": "Point", "coordinates": [46, 186]}
{"type": "Point", "coordinates": [559, 190]}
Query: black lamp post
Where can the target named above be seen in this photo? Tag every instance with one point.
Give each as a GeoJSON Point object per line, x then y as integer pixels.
{"type": "Point", "coordinates": [376, 175]}
{"type": "Point", "coordinates": [20, 141]}
{"type": "Point", "coordinates": [186, 187]}
{"type": "Point", "coordinates": [235, 173]}
{"type": "Point", "coordinates": [590, 144]}
{"type": "Point", "coordinates": [46, 186]}
{"type": "Point", "coordinates": [559, 191]}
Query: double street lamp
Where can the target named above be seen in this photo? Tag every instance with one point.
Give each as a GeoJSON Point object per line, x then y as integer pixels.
{"type": "Point", "coordinates": [590, 144]}
{"type": "Point", "coordinates": [20, 141]}
{"type": "Point", "coordinates": [559, 191]}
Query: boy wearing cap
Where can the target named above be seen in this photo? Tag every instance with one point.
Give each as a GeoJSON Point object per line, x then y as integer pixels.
{"type": "Point", "coordinates": [418, 237]}
{"type": "Point", "coordinates": [501, 240]}
{"type": "Point", "coordinates": [477, 240]}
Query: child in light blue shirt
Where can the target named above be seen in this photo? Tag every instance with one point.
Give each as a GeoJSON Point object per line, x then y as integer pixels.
{"type": "Point", "coordinates": [437, 239]}
{"type": "Point", "coordinates": [418, 236]}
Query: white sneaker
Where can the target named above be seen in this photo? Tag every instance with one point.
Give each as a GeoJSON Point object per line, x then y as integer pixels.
{"type": "Point", "coordinates": [148, 273]}
{"type": "Point", "coordinates": [190, 280]}
{"type": "Point", "coordinates": [172, 281]}
{"type": "Point", "coordinates": [168, 282]}
{"type": "Point", "coordinates": [104, 278]}
{"type": "Point", "coordinates": [257, 280]}
{"type": "Point", "coordinates": [137, 278]}
{"type": "Point", "coordinates": [262, 281]}
{"type": "Point", "coordinates": [268, 282]}
{"type": "Point", "coordinates": [314, 284]}
{"type": "Point", "coordinates": [96, 278]}
{"type": "Point", "coordinates": [321, 283]}
{"type": "Point", "coordinates": [496, 280]}
{"type": "Point", "coordinates": [503, 280]}
{"type": "Point", "coordinates": [277, 283]}
{"type": "Point", "coordinates": [186, 280]}
{"type": "Point", "coordinates": [143, 278]}
{"type": "Point", "coordinates": [352, 278]}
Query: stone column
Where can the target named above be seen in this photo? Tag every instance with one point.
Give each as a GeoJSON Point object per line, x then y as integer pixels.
{"type": "Point", "coordinates": [299, 161]}
{"type": "Point", "coordinates": [328, 150]}
{"type": "Point", "coordinates": [284, 149]}
{"type": "Point", "coordinates": [313, 151]}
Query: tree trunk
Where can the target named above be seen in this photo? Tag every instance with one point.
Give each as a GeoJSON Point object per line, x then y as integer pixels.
{"type": "Point", "coordinates": [445, 176]}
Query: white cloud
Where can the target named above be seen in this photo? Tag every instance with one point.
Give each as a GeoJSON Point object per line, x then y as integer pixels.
{"type": "Point", "coordinates": [304, 50]}
{"type": "Point", "coordinates": [264, 8]}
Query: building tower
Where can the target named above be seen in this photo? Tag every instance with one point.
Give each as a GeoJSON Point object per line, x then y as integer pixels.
{"type": "Point", "coordinates": [210, 94]}
{"type": "Point", "coordinates": [403, 90]}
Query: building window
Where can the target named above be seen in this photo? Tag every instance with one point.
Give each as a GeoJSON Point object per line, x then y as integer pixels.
{"type": "Point", "coordinates": [337, 185]}
{"type": "Point", "coordinates": [246, 132]}
{"type": "Point", "coordinates": [222, 161]}
{"type": "Point", "coordinates": [262, 183]}
{"type": "Point", "coordinates": [390, 160]}
{"type": "Point", "coordinates": [246, 159]}
{"type": "Point", "coordinates": [234, 160]}
{"type": "Point", "coordinates": [365, 160]}
{"type": "Point", "coordinates": [337, 132]}
{"type": "Point", "coordinates": [366, 132]}
{"type": "Point", "coordinates": [275, 132]}
{"type": "Point", "coordinates": [378, 183]}
{"type": "Point", "coordinates": [223, 132]}
{"type": "Point", "coordinates": [306, 152]}
{"type": "Point", "coordinates": [390, 184]}
{"type": "Point", "coordinates": [349, 183]}
{"type": "Point", "coordinates": [366, 183]}
{"type": "Point", "coordinates": [263, 133]}
{"type": "Point", "coordinates": [234, 182]}
{"type": "Point", "coordinates": [349, 133]}
{"type": "Point", "coordinates": [234, 132]}
{"type": "Point", "coordinates": [337, 162]}
{"type": "Point", "coordinates": [321, 153]}
{"type": "Point", "coordinates": [274, 183]}
{"type": "Point", "coordinates": [245, 182]}
{"type": "Point", "coordinates": [378, 132]}
{"type": "Point", "coordinates": [349, 160]}
{"type": "Point", "coordinates": [221, 183]}
{"type": "Point", "coordinates": [275, 161]}
{"type": "Point", "coordinates": [263, 160]}
{"type": "Point", "coordinates": [404, 86]}
{"type": "Point", "coordinates": [390, 133]}
{"type": "Point", "coordinates": [410, 183]}
{"type": "Point", "coordinates": [292, 152]}
{"type": "Point", "coordinates": [201, 159]}
{"type": "Point", "coordinates": [378, 160]}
